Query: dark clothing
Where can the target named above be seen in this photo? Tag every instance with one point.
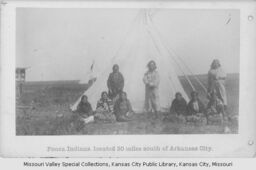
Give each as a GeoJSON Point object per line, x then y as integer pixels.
{"type": "Point", "coordinates": [115, 84]}
{"type": "Point", "coordinates": [215, 106]}
{"type": "Point", "coordinates": [195, 107]}
{"type": "Point", "coordinates": [122, 108]}
{"type": "Point", "coordinates": [84, 109]}
{"type": "Point", "coordinates": [179, 107]}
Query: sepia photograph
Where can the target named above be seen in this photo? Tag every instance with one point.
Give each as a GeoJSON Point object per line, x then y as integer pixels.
{"type": "Point", "coordinates": [140, 79]}
{"type": "Point", "coordinates": [127, 71]}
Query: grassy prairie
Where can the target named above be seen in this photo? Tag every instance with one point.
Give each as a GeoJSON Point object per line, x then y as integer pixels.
{"type": "Point", "coordinates": [46, 112]}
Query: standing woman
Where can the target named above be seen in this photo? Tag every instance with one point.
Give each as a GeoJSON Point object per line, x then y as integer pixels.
{"type": "Point", "coordinates": [151, 80]}
{"type": "Point", "coordinates": [115, 83]}
{"type": "Point", "coordinates": [216, 81]}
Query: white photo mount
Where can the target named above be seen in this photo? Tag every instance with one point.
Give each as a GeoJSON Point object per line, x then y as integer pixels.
{"type": "Point", "coordinates": [242, 144]}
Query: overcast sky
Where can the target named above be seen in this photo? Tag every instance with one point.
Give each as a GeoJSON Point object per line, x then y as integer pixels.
{"type": "Point", "coordinates": [60, 44]}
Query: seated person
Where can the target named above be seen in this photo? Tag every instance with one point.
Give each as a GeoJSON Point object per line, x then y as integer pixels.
{"type": "Point", "coordinates": [105, 109]}
{"type": "Point", "coordinates": [195, 108]}
{"type": "Point", "coordinates": [123, 109]}
{"type": "Point", "coordinates": [215, 106]}
{"type": "Point", "coordinates": [84, 111]}
{"type": "Point", "coordinates": [84, 108]}
{"type": "Point", "coordinates": [178, 107]}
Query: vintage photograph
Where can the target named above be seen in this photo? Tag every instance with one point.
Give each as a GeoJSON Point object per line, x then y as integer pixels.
{"type": "Point", "coordinates": [139, 71]}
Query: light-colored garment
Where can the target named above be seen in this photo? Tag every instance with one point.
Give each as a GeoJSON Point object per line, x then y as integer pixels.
{"type": "Point", "coordinates": [88, 119]}
{"type": "Point", "coordinates": [216, 81]}
{"type": "Point", "coordinates": [196, 106]}
{"type": "Point", "coordinates": [151, 80]}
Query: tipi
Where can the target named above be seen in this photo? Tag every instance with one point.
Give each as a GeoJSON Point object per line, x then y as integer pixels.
{"type": "Point", "coordinates": [142, 44]}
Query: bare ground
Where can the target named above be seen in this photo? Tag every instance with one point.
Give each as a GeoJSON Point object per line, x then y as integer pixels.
{"type": "Point", "coordinates": [46, 112]}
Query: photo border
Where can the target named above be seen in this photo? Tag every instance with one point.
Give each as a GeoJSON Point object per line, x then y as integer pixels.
{"type": "Point", "coordinates": [223, 145]}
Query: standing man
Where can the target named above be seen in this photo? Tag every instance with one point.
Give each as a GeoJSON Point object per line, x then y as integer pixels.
{"type": "Point", "coordinates": [216, 81]}
{"type": "Point", "coordinates": [115, 83]}
{"type": "Point", "coordinates": [151, 80]}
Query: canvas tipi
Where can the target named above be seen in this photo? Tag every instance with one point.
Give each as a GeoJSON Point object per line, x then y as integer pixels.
{"type": "Point", "coordinates": [142, 44]}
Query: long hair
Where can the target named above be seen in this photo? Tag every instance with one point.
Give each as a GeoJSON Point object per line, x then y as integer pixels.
{"type": "Point", "coordinates": [82, 98]}
{"type": "Point", "coordinates": [120, 98]}
{"type": "Point", "coordinates": [115, 65]}
{"type": "Point", "coordinates": [102, 93]}
{"type": "Point", "coordinates": [215, 64]}
{"type": "Point", "coordinates": [178, 94]}
{"type": "Point", "coordinates": [150, 62]}
{"type": "Point", "coordinates": [194, 93]}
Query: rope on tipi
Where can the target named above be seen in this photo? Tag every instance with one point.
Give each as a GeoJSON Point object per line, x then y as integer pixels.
{"type": "Point", "coordinates": [148, 21]}
{"type": "Point", "coordinates": [175, 54]}
{"type": "Point", "coordinates": [171, 84]}
{"type": "Point", "coordinates": [181, 69]}
{"type": "Point", "coordinates": [195, 77]}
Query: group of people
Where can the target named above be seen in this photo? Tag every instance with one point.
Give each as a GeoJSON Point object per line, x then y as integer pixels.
{"type": "Point", "coordinates": [195, 108]}
{"type": "Point", "coordinates": [114, 105]}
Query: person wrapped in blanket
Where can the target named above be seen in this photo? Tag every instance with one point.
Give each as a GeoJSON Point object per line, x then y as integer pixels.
{"type": "Point", "coordinates": [195, 108]}
{"type": "Point", "coordinates": [83, 113]}
{"type": "Point", "coordinates": [115, 83]}
{"type": "Point", "coordinates": [178, 107]}
{"type": "Point", "coordinates": [123, 109]}
{"type": "Point", "coordinates": [104, 109]}
{"type": "Point", "coordinates": [215, 107]}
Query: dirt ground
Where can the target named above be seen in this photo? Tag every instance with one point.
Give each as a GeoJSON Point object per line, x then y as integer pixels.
{"type": "Point", "coordinates": [43, 109]}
